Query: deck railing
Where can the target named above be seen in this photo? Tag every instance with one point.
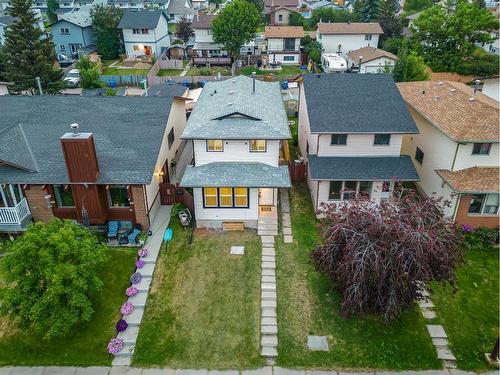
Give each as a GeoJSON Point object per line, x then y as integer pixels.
{"type": "Point", "coordinates": [16, 214]}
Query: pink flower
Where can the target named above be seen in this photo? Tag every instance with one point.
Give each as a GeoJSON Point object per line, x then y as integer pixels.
{"type": "Point", "coordinates": [143, 252]}
{"type": "Point", "coordinates": [115, 346]}
{"type": "Point", "coordinates": [131, 291]}
{"type": "Point", "coordinates": [139, 263]}
{"type": "Point", "coordinates": [127, 308]}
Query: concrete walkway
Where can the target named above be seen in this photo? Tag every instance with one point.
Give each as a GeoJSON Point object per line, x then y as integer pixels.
{"type": "Point", "coordinates": [153, 244]}
{"type": "Point", "coordinates": [270, 370]}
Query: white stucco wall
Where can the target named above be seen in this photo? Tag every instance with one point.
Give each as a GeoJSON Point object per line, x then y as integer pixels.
{"type": "Point", "coordinates": [203, 36]}
{"type": "Point", "coordinates": [347, 43]}
{"type": "Point", "coordinates": [465, 159]}
{"type": "Point", "coordinates": [157, 39]}
{"type": "Point", "coordinates": [491, 88]}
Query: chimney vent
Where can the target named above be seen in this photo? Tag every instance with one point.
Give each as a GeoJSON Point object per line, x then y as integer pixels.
{"type": "Point", "coordinates": [74, 127]}
{"type": "Point", "coordinates": [476, 85]}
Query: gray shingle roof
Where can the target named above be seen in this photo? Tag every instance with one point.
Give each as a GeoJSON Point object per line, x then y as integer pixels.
{"type": "Point", "coordinates": [6, 20]}
{"type": "Point", "coordinates": [378, 168]}
{"type": "Point", "coordinates": [236, 175]}
{"type": "Point", "coordinates": [15, 150]}
{"type": "Point", "coordinates": [356, 103]}
{"type": "Point", "coordinates": [230, 110]}
{"type": "Point", "coordinates": [181, 7]}
{"type": "Point", "coordinates": [140, 18]}
{"type": "Point", "coordinates": [77, 17]}
{"type": "Point", "coordinates": [128, 132]}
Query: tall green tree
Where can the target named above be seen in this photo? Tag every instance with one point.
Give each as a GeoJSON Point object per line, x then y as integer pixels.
{"type": "Point", "coordinates": [332, 15]}
{"type": "Point", "coordinates": [89, 73]}
{"type": "Point", "coordinates": [30, 52]}
{"type": "Point", "coordinates": [3, 63]}
{"type": "Point", "coordinates": [414, 6]}
{"type": "Point", "coordinates": [49, 274]}
{"type": "Point", "coordinates": [368, 10]}
{"type": "Point", "coordinates": [259, 4]}
{"type": "Point", "coordinates": [389, 20]}
{"type": "Point", "coordinates": [52, 7]}
{"type": "Point", "coordinates": [105, 20]}
{"type": "Point", "coordinates": [445, 38]}
{"type": "Point", "coordinates": [235, 25]}
{"type": "Point", "coordinates": [409, 67]}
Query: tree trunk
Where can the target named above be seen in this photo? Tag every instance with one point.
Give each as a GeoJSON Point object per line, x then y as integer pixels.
{"type": "Point", "coordinates": [494, 352]}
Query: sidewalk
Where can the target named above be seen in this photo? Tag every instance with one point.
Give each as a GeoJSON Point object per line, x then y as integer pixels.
{"type": "Point", "coordinates": [269, 370]}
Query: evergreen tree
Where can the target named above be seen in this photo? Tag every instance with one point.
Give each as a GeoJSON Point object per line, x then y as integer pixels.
{"type": "Point", "coordinates": [3, 64]}
{"type": "Point", "coordinates": [184, 30]}
{"type": "Point", "coordinates": [389, 20]}
{"type": "Point", "coordinates": [30, 53]}
{"type": "Point", "coordinates": [368, 10]}
{"type": "Point", "coordinates": [105, 20]}
{"type": "Point", "coordinates": [52, 7]}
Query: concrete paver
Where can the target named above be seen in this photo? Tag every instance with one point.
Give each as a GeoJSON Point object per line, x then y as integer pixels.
{"type": "Point", "coordinates": [59, 370]}
{"type": "Point", "coordinates": [27, 370]}
{"type": "Point", "coordinates": [93, 370]}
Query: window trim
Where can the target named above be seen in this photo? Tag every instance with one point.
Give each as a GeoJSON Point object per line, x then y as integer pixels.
{"type": "Point", "coordinates": [216, 198]}
{"type": "Point", "coordinates": [222, 144]}
{"type": "Point", "coordinates": [57, 196]}
{"type": "Point", "coordinates": [338, 135]}
{"type": "Point", "coordinates": [257, 150]}
{"type": "Point", "coordinates": [483, 203]}
{"type": "Point", "coordinates": [342, 189]}
{"type": "Point", "coordinates": [381, 144]}
{"type": "Point", "coordinates": [232, 195]}
{"type": "Point", "coordinates": [481, 143]}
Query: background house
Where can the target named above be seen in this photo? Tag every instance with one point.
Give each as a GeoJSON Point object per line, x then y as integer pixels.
{"type": "Point", "coordinates": [279, 16]}
{"type": "Point", "coordinates": [271, 4]}
{"type": "Point", "coordinates": [72, 32]}
{"type": "Point", "coordinates": [176, 9]}
{"type": "Point", "coordinates": [373, 60]}
{"type": "Point", "coordinates": [145, 32]}
{"type": "Point", "coordinates": [344, 37]}
{"type": "Point", "coordinates": [204, 45]}
{"type": "Point", "coordinates": [456, 153]}
{"type": "Point", "coordinates": [283, 44]}
{"type": "Point", "coordinates": [6, 21]}
{"type": "Point", "coordinates": [351, 127]}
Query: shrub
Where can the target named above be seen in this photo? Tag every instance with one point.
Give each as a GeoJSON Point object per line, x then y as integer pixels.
{"type": "Point", "coordinates": [479, 238]}
{"type": "Point", "coordinates": [377, 255]}
{"type": "Point", "coordinates": [121, 325]}
{"type": "Point", "coordinates": [115, 346]}
{"type": "Point", "coordinates": [50, 272]}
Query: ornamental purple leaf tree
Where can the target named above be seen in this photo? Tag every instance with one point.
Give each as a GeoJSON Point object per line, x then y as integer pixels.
{"type": "Point", "coordinates": [377, 255]}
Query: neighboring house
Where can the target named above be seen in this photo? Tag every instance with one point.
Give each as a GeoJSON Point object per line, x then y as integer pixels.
{"type": "Point", "coordinates": [494, 46]}
{"type": "Point", "coordinates": [283, 44]}
{"type": "Point", "coordinates": [456, 152]}
{"type": "Point", "coordinates": [346, 37]}
{"type": "Point", "coordinates": [373, 60]}
{"type": "Point", "coordinates": [176, 9]}
{"type": "Point", "coordinates": [279, 16]}
{"type": "Point", "coordinates": [108, 169]}
{"type": "Point", "coordinates": [145, 32]}
{"type": "Point", "coordinates": [4, 87]}
{"type": "Point", "coordinates": [204, 45]}
{"type": "Point", "coordinates": [320, 4]}
{"type": "Point", "coordinates": [6, 21]}
{"type": "Point", "coordinates": [351, 127]}
{"type": "Point", "coordinates": [199, 4]}
{"type": "Point", "coordinates": [236, 127]}
{"type": "Point", "coordinates": [73, 32]}
{"type": "Point", "coordinates": [491, 87]}
{"type": "Point", "coordinates": [271, 4]}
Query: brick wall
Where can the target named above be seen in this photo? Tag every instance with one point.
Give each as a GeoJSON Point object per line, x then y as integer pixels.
{"type": "Point", "coordinates": [489, 221]}
{"type": "Point", "coordinates": [140, 209]}
{"type": "Point", "coordinates": [38, 204]}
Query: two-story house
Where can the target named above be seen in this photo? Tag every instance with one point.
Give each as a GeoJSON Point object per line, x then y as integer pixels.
{"type": "Point", "coordinates": [204, 45]}
{"type": "Point", "coordinates": [236, 127]}
{"type": "Point", "coordinates": [351, 127]}
{"type": "Point", "coordinates": [270, 4]}
{"type": "Point", "coordinates": [344, 37]}
{"type": "Point", "coordinates": [177, 9]}
{"type": "Point", "coordinates": [280, 15]}
{"type": "Point", "coordinates": [72, 32]}
{"type": "Point", "coordinates": [108, 167]}
{"type": "Point", "coordinates": [145, 32]}
{"type": "Point", "coordinates": [6, 21]}
{"type": "Point", "coordinates": [456, 152]}
{"type": "Point", "coordinates": [283, 44]}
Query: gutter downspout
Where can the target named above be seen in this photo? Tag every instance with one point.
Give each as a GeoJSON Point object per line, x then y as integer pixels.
{"type": "Point", "coordinates": [455, 157]}
{"type": "Point", "coordinates": [455, 210]}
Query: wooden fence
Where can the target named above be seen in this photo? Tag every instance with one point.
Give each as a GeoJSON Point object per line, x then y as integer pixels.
{"type": "Point", "coordinates": [298, 172]}
{"type": "Point", "coordinates": [447, 76]}
{"type": "Point", "coordinates": [171, 194]}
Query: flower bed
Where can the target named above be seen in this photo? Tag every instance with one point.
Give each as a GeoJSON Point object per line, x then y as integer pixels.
{"type": "Point", "coordinates": [115, 346]}
{"type": "Point", "coordinates": [135, 278]}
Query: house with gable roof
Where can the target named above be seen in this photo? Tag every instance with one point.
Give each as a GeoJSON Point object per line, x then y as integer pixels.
{"type": "Point", "coordinates": [73, 32]}
{"type": "Point", "coordinates": [344, 37]}
{"type": "Point", "coordinates": [237, 127]}
{"type": "Point", "coordinates": [456, 152]}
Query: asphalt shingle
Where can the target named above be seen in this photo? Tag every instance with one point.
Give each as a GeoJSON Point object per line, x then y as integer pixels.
{"type": "Point", "coordinates": [140, 19]}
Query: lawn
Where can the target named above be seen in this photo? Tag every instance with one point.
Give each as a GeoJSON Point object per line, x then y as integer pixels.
{"type": "Point", "coordinates": [308, 306]}
{"type": "Point", "coordinates": [113, 71]}
{"type": "Point", "coordinates": [470, 316]}
{"type": "Point", "coordinates": [86, 346]}
{"type": "Point", "coordinates": [204, 306]}
{"type": "Point", "coordinates": [202, 71]}
{"type": "Point", "coordinates": [169, 72]}
{"type": "Point", "coordinates": [285, 72]}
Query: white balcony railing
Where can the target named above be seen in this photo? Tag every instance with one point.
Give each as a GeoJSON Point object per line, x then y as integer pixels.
{"type": "Point", "coordinates": [16, 214]}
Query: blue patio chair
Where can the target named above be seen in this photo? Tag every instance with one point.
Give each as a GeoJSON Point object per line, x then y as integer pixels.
{"type": "Point", "coordinates": [132, 237]}
{"type": "Point", "coordinates": [113, 227]}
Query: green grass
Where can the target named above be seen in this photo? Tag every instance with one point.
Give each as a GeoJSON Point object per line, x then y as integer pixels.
{"type": "Point", "coordinates": [308, 306]}
{"type": "Point", "coordinates": [294, 148]}
{"type": "Point", "coordinates": [285, 72]}
{"type": "Point", "coordinates": [112, 71]}
{"type": "Point", "coordinates": [172, 28]}
{"type": "Point", "coordinates": [169, 72]}
{"type": "Point", "coordinates": [201, 71]}
{"type": "Point", "coordinates": [85, 346]}
{"type": "Point", "coordinates": [470, 316]}
{"type": "Point", "coordinates": [204, 306]}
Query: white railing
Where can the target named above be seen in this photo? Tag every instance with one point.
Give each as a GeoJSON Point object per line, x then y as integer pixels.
{"type": "Point", "coordinates": [16, 214]}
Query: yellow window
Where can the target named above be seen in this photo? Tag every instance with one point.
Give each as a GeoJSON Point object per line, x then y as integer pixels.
{"type": "Point", "coordinates": [240, 197]}
{"type": "Point", "coordinates": [210, 197]}
{"type": "Point", "coordinates": [215, 145]}
{"type": "Point", "coordinates": [226, 197]}
{"type": "Point", "coordinates": [258, 145]}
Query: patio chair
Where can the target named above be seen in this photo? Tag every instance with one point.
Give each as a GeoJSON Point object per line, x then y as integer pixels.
{"type": "Point", "coordinates": [113, 227]}
{"type": "Point", "coordinates": [132, 237]}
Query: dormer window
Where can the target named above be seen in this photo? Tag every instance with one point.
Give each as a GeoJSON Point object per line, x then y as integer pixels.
{"type": "Point", "coordinates": [215, 145]}
{"type": "Point", "coordinates": [258, 145]}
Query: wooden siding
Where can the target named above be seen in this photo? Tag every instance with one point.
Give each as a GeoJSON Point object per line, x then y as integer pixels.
{"type": "Point", "coordinates": [81, 159]}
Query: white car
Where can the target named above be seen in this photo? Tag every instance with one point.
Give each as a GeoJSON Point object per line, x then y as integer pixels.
{"type": "Point", "coordinates": [72, 79]}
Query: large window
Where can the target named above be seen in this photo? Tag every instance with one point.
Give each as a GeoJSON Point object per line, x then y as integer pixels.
{"type": "Point", "coordinates": [118, 196]}
{"type": "Point", "coordinates": [368, 36]}
{"type": "Point", "coordinates": [64, 196]}
{"type": "Point", "coordinates": [419, 155]}
{"type": "Point", "coordinates": [349, 190]}
{"type": "Point", "coordinates": [484, 204]}
{"type": "Point", "coordinates": [258, 145]}
{"type": "Point", "coordinates": [289, 44]}
{"type": "Point", "coordinates": [225, 197]}
{"type": "Point", "coordinates": [345, 190]}
{"type": "Point", "coordinates": [382, 139]}
{"type": "Point", "coordinates": [335, 188]}
{"type": "Point", "coordinates": [339, 139]}
{"type": "Point", "coordinates": [481, 149]}
{"type": "Point", "coordinates": [215, 145]}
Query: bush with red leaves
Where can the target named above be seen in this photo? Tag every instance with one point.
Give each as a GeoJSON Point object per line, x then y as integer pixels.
{"type": "Point", "coordinates": [376, 255]}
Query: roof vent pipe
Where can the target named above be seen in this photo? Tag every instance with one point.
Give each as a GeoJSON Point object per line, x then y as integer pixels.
{"type": "Point", "coordinates": [74, 127]}
{"type": "Point", "coordinates": [476, 85]}
{"type": "Point", "coordinates": [253, 81]}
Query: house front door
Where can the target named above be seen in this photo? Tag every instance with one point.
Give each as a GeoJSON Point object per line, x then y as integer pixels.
{"type": "Point", "coordinates": [266, 197]}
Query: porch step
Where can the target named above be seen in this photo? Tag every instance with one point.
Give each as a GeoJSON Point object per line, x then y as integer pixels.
{"type": "Point", "coordinates": [268, 279]}
{"type": "Point", "coordinates": [269, 340]}
{"type": "Point", "coordinates": [129, 336]}
{"type": "Point", "coordinates": [269, 322]}
{"type": "Point", "coordinates": [268, 303]}
{"type": "Point", "coordinates": [265, 295]}
{"type": "Point", "coordinates": [233, 226]}
{"type": "Point", "coordinates": [127, 351]}
{"type": "Point", "coordinates": [268, 312]}
{"type": "Point", "coordinates": [268, 220]}
{"type": "Point", "coordinates": [269, 351]}
{"type": "Point", "coordinates": [139, 300]}
{"type": "Point", "coordinates": [267, 232]}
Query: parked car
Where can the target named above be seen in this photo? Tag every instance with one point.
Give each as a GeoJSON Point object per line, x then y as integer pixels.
{"type": "Point", "coordinates": [72, 79]}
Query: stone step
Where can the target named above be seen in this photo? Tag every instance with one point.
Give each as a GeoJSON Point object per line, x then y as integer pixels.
{"type": "Point", "coordinates": [268, 219]}
{"type": "Point", "coordinates": [268, 312]}
{"type": "Point", "coordinates": [269, 265]}
{"type": "Point", "coordinates": [268, 351]}
{"type": "Point", "coordinates": [268, 279]}
{"type": "Point", "coordinates": [268, 258]}
{"type": "Point", "coordinates": [127, 351]}
{"type": "Point", "coordinates": [135, 318]}
{"type": "Point", "coordinates": [269, 272]}
{"type": "Point", "coordinates": [287, 231]}
{"type": "Point", "coordinates": [449, 364]}
{"type": "Point", "coordinates": [440, 342]}
{"type": "Point", "coordinates": [268, 251]}
{"type": "Point", "coordinates": [425, 304]}
{"type": "Point", "coordinates": [147, 270]}
{"type": "Point", "coordinates": [268, 330]}
{"type": "Point", "coordinates": [269, 295]}
{"type": "Point", "coordinates": [129, 336]}
{"type": "Point", "coordinates": [267, 232]}
{"type": "Point", "coordinates": [268, 287]}
{"type": "Point", "coordinates": [269, 322]}
{"type": "Point", "coordinates": [139, 300]}
{"type": "Point", "coordinates": [287, 238]}
{"type": "Point", "coordinates": [144, 284]}
{"type": "Point", "coordinates": [445, 354]}
{"type": "Point", "coordinates": [436, 331]}
{"type": "Point", "coordinates": [122, 361]}
{"type": "Point", "coordinates": [429, 314]}
{"type": "Point", "coordinates": [267, 239]}
{"type": "Point", "coordinates": [268, 225]}
{"type": "Point", "coordinates": [269, 340]}
{"type": "Point", "coordinates": [268, 303]}
{"type": "Point", "coordinates": [149, 260]}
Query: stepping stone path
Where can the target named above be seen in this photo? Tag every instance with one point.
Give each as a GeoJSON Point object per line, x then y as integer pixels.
{"type": "Point", "coordinates": [436, 332]}
{"type": "Point", "coordinates": [317, 343]}
{"type": "Point", "coordinates": [286, 221]}
{"type": "Point", "coordinates": [153, 244]}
